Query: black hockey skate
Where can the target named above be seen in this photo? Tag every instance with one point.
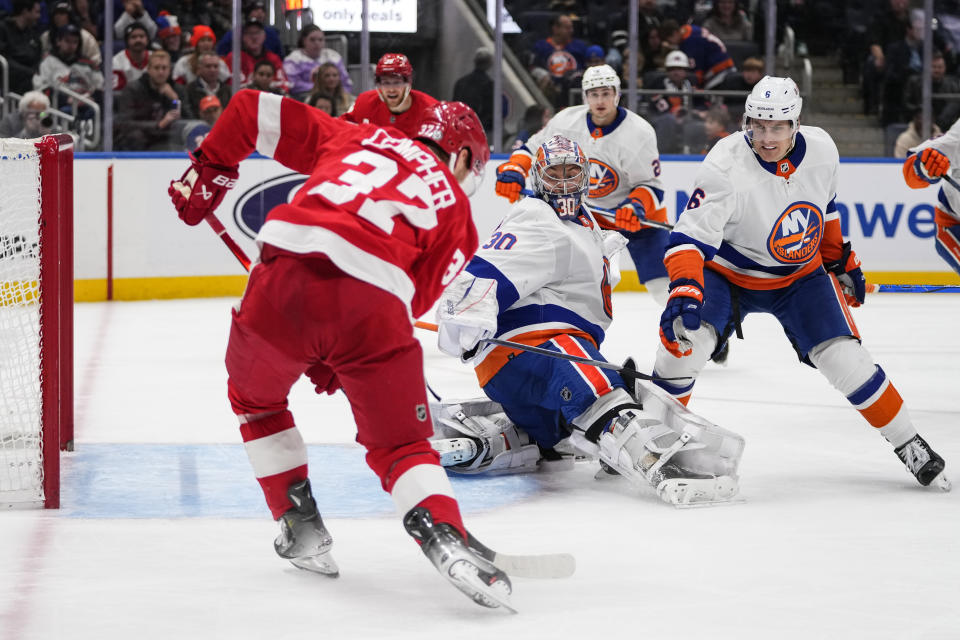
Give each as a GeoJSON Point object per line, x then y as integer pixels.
{"type": "Point", "coordinates": [476, 577]}
{"type": "Point", "coordinates": [303, 539]}
{"type": "Point", "coordinates": [923, 462]}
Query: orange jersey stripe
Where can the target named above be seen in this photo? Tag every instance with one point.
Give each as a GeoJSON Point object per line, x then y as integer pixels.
{"type": "Point", "coordinates": [764, 284]}
{"type": "Point", "coordinates": [596, 379]}
{"type": "Point", "coordinates": [496, 359]}
{"type": "Point", "coordinates": [831, 247]}
{"type": "Point", "coordinates": [910, 174]}
{"type": "Point", "coordinates": [843, 305]}
{"type": "Point", "coordinates": [949, 242]}
{"type": "Point", "coordinates": [944, 219]}
{"type": "Point", "coordinates": [685, 264]}
{"type": "Point", "coordinates": [885, 409]}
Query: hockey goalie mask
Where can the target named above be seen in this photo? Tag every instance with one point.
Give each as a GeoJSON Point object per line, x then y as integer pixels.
{"type": "Point", "coordinates": [561, 176]}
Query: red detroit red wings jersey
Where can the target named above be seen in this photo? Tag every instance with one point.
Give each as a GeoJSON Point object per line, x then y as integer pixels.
{"type": "Point", "coordinates": [370, 108]}
{"type": "Point", "coordinates": [379, 205]}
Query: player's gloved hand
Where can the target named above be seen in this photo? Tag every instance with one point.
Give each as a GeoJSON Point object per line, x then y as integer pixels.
{"type": "Point", "coordinates": [201, 188]}
{"type": "Point", "coordinates": [467, 314]}
{"type": "Point", "coordinates": [511, 179]}
{"type": "Point", "coordinates": [630, 215]}
{"type": "Point", "coordinates": [931, 164]}
{"type": "Point", "coordinates": [848, 272]}
{"type": "Point", "coordinates": [681, 316]}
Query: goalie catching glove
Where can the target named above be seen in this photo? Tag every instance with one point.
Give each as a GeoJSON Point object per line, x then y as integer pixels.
{"type": "Point", "coordinates": [467, 314]}
{"type": "Point", "coordinates": [201, 188]}
{"type": "Point", "coordinates": [848, 272]}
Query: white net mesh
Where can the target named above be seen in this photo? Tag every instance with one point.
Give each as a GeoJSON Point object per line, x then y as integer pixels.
{"type": "Point", "coordinates": [21, 435]}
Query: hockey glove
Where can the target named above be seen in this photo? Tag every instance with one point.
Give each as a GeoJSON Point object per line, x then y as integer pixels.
{"type": "Point", "coordinates": [511, 179]}
{"type": "Point", "coordinates": [467, 314]}
{"type": "Point", "coordinates": [931, 164]}
{"type": "Point", "coordinates": [630, 214]}
{"type": "Point", "coordinates": [848, 272]}
{"type": "Point", "coordinates": [681, 316]}
{"type": "Point", "coordinates": [201, 189]}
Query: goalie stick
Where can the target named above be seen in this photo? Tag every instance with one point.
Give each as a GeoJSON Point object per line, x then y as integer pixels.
{"type": "Point", "coordinates": [609, 213]}
{"type": "Point", "coordinates": [541, 566]}
{"type": "Point", "coordinates": [627, 373]}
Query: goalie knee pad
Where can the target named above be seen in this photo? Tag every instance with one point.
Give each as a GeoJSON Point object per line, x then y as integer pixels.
{"type": "Point", "coordinates": [475, 436]}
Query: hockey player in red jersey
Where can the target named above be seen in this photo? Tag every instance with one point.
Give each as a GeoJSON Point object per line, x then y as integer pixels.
{"type": "Point", "coordinates": [393, 103]}
{"type": "Point", "coordinates": [381, 225]}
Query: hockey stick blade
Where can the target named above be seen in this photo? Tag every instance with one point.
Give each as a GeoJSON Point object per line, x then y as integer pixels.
{"type": "Point", "coordinates": [539, 566]}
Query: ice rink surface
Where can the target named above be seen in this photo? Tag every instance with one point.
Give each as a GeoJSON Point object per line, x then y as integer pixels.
{"type": "Point", "coordinates": [163, 533]}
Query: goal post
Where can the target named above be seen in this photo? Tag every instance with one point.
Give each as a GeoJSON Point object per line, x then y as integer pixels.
{"type": "Point", "coordinates": [36, 318]}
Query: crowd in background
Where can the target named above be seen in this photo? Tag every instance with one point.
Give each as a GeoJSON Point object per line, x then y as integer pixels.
{"type": "Point", "coordinates": [173, 59]}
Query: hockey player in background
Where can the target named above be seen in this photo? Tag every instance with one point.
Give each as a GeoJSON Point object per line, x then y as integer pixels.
{"type": "Point", "coordinates": [380, 226]}
{"type": "Point", "coordinates": [544, 278]}
{"type": "Point", "coordinates": [624, 170]}
{"type": "Point", "coordinates": [762, 219]}
{"type": "Point", "coordinates": [393, 103]}
{"type": "Point", "coordinates": [927, 164]}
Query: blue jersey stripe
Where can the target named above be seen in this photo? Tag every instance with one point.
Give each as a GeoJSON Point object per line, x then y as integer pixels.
{"type": "Point", "coordinates": [539, 313]}
{"type": "Point", "coordinates": [506, 293]}
{"type": "Point", "coordinates": [869, 388]}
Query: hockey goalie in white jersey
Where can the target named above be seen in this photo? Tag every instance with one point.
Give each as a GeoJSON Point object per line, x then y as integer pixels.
{"type": "Point", "coordinates": [544, 279]}
{"type": "Point", "coordinates": [761, 234]}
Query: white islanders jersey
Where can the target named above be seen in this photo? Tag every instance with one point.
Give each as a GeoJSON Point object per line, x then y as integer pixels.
{"type": "Point", "coordinates": [762, 225]}
{"type": "Point", "coordinates": [623, 155]}
{"type": "Point", "coordinates": [949, 145]}
{"type": "Point", "coordinates": [553, 277]}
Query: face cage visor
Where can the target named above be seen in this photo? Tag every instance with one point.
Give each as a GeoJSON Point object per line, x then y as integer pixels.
{"type": "Point", "coordinates": [774, 131]}
{"type": "Point", "coordinates": [562, 185]}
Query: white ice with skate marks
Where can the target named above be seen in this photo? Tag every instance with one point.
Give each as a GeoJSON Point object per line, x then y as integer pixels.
{"type": "Point", "coordinates": [835, 538]}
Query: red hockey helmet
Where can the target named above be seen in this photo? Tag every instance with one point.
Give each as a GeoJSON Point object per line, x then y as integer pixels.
{"type": "Point", "coordinates": [394, 64]}
{"type": "Point", "coordinates": [454, 126]}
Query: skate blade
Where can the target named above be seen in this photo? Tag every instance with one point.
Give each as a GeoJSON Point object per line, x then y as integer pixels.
{"type": "Point", "coordinates": [467, 576]}
{"type": "Point", "coordinates": [324, 564]}
{"type": "Point", "coordinates": [942, 482]}
{"type": "Point", "coordinates": [685, 492]}
{"type": "Point", "coordinates": [711, 503]}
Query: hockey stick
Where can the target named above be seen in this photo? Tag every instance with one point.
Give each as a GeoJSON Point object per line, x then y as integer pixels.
{"type": "Point", "coordinates": [219, 229]}
{"type": "Point", "coordinates": [625, 372]}
{"type": "Point", "coordinates": [609, 214]}
{"type": "Point", "coordinates": [547, 565]}
{"type": "Point", "coordinates": [953, 183]}
{"type": "Point", "coordinates": [912, 288]}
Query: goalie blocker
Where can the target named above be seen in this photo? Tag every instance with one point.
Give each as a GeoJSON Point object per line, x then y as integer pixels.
{"type": "Point", "coordinates": [652, 440]}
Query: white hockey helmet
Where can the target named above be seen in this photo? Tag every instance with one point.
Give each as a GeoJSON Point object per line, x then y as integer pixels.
{"type": "Point", "coordinates": [774, 99]}
{"type": "Point", "coordinates": [601, 75]}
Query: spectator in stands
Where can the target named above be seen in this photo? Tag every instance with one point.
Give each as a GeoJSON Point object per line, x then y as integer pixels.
{"type": "Point", "coordinates": [535, 118]}
{"type": "Point", "coordinates": [207, 83]}
{"type": "Point", "coordinates": [650, 19]}
{"type": "Point", "coordinates": [945, 111]}
{"type": "Point", "coordinates": [20, 44]}
{"type": "Point", "coordinates": [562, 55]}
{"type": "Point", "coordinates": [886, 28]}
{"type": "Point", "coordinates": [221, 20]}
{"type": "Point", "coordinates": [911, 136]}
{"type": "Point", "coordinates": [711, 62]}
{"type": "Point", "coordinates": [210, 110]}
{"type": "Point", "coordinates": [753, 71]}
{"type": "Point", "coordinates": [130, 63]}
{"type": "Point", "coordinates": [149, 108]}
{"type": "Point", "coordinates": [326, 81]}
{"type": "Point", "coordinates": [169, 35]}
{"type": "Point", "coordinates": [716, 126]}
{"type": "Point", "coordinates": [133, 12]}
{"type": "Point", "coordinates": [61, 13]}
{"type": "Point", "coordinates": [322, 101]}
{"type": "Point", "coordinates": [476, 88]}
{"type": "Point", "coordinates": [310, 53]}
{"type": "Point", "coordinates": [903, 59]}
{"type": "Point", "coordinates": [32, 102]}
{"type": "Point", "coordinates": [595, 56]}
{"type": "Point", "coordinates": [64, 66]}
{"type": "Point", "coordinates": [728, 22]}
{"type": "Point", "coordinates": [193, 14]}
{"type": "Point", "coordinates": [253, 51]}
{"type": "Point", "coordinates": [88, 19]}
{"type": "Point", "coordinates": [254, 10]}
{"type": "Point", "coordinates": [202, 40]}
{"type": "Point", "coordinates": [677, 119]}
{"type": "Point", "coordinates": [263, 78]}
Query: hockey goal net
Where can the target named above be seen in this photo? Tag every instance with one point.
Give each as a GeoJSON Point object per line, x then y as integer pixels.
{"type": "Point", "coordinates": [36, 317]}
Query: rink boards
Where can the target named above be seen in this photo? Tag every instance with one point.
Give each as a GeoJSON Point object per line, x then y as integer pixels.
{"type": "Point", "coordinates": [130, 245]}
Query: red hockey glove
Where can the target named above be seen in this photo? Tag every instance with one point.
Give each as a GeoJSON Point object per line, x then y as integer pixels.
{"type": "Point", "coordinates": [511, 178]}
{"type": "Point", "coordinates": [201, 188]}
{"type": "Point", "coordinates": [932, 164]}
{"type": "Point", "coordinates": [848, 272]}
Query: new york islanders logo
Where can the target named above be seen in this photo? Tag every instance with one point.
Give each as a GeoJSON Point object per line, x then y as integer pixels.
{"type": "Point", "coordinates": [796, 234]}
{"type": "Point", "coordinates": [603, 179]}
